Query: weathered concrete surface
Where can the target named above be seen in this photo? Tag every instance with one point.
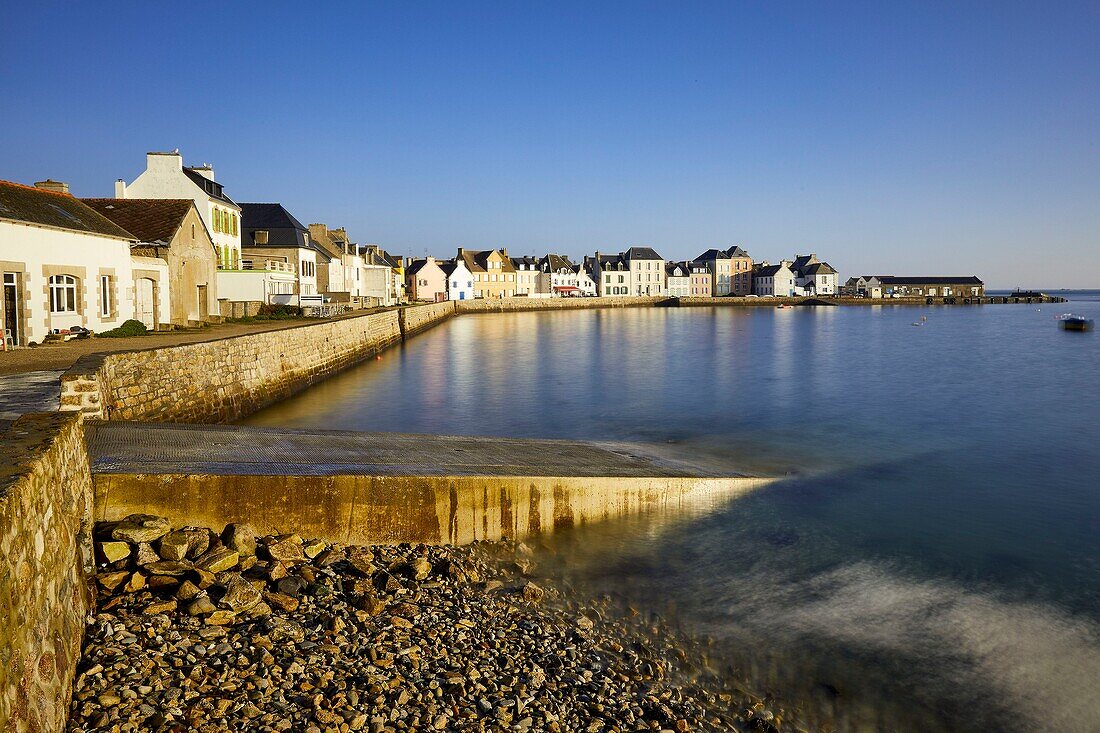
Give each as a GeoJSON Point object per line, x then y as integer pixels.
{"type": "Point", "coordinates": [45, 567]}
{"type": "Point", "coordinates": [28, 392]}
{"type": "Point", "coordinates": [383, 488]}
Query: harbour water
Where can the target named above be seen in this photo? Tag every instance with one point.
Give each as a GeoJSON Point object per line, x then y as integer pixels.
{"type": "Point", "coordinates": [931, 559]}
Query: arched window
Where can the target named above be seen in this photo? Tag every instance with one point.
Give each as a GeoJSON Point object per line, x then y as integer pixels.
{"type": "Point", "coordinates": [62, 294]}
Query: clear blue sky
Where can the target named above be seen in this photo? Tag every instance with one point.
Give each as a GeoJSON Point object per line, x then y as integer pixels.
{"type": "Point", "coordinates": [921, 137]}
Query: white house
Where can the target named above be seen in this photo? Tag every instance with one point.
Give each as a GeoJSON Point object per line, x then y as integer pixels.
{"type": "Point", "coordinates": [611, 274]}
{"type": "Point", "coordinates": [585, 284]}
{"type": "Point", "coordinates": [64, 265]}
{"type": "Point", "coordinates": [527, 276]}
{"type": "Point", "coordinates": [814, 277]}
{"type": "Point", "coordinates": [460, 281]}
{"type": "Point", "coordinates": [678, 278]}
{"type": "Point", "coordinates": [638, 271]}
{"type": "Point", "coordinates": [166, 177]}
{"type": "Point", "coordinates": [774, 280]}
{"type": "Point", "coordinates": [557, 276]}
{"type": "Point", "coordinates": [275, 246]}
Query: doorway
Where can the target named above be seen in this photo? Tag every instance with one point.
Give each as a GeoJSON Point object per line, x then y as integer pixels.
{"type": "Point", "coordinates": [12, 315]}
{"type": "Point", "coordinates": [144, 302]}
{"type": "Point", "coordinates": [204, 304]}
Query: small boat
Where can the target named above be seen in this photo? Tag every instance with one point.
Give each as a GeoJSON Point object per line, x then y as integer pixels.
{"type": "Point", "coordinates": [1072, 322]}
{"type": "Point", "coordinates": [784, 305]}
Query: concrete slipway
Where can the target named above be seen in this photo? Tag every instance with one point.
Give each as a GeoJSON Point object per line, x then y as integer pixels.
{"type": "Point", "coordinates": [384, 487]}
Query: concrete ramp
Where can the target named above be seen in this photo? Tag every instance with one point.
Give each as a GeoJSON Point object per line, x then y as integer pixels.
{"type": "Point", "coordinates": [384, 487]}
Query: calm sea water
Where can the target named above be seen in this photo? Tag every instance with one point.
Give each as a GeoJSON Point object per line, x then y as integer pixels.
{"type": "Point", "coordinates": [931, 559]}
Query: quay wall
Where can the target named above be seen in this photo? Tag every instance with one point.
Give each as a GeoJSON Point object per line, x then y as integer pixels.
{"type": "Point", "coordinates": [512, 305]}
{"type": "Point", "coordinates": [358, 509]}
{"type": "Point", "coordinates": [46, 568]}
{"type": "Point", "coordinates": [225, 380]}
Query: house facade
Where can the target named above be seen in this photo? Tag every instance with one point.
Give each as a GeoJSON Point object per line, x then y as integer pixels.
{"type": "Point", "coordinates": [527, 276]}
{"type": "Point", "coordinates": [339, 281]}
{"type": "Point", "coordinates": [276, 248]}
{"type": "Point", "coordinates": [425, 280]}
{"type": "Point", "coordinates": [460, 281]}
{"type": "Point", "coordinates": [678, 279]}
{"type": "Point", "coordinates": [701, 279]}
{"type": "Point", "coordinates": [166, 177]}
{"type": "Point", "coordinates": [730, 271]}
{"type": "Point", "coordinates": [169, 230]}
{"type": "Point", "coordinates": [774, 280]}
{"type": "Point", "coordinates": [647, 271]}
{"type": "Point", "coordinates": [814, 277]}
{"type": "Point", "coordinates": [557, 276]}
{"type": "Point", "coordinates": [62, 265]}
{"type": "Point", "coordinates": [943, 286]}
{"type": "Point", "coordinates": [586, 286]}
{"type": "Point", "coordinates": [494, 275]}
{"type": "Point", "coordinates": [611, 274]}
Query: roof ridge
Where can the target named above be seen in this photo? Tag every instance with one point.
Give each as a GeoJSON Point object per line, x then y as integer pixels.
{"type": "Point", "coordinates": [16, 184]}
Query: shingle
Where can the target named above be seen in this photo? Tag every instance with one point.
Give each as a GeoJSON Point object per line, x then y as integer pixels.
{"type": "Point", "coordinates": [150, 220]}
{"type": "Point", "coordinates": [49, 208]}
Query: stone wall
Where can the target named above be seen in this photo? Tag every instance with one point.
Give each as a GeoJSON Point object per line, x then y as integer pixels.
{"type": "Point", "coordinates": [507, 305]}
{"type": "Point", "coordinates": [222, 381]}
{"type": "Point", "coordinates": [45, 568]}
{"type": "Point", "coordinates": [417, 318]}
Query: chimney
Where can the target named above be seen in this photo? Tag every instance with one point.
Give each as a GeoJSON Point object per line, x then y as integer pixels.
{"type": "Point", "coordinates": [120, 189]}
{"type": "Point", "coordinates": [461, 251]}
{"type": "Point", "coordinates": [164, 161]}
{"type": "Point", "coordinates": [51, 185]}
{"type": "Point", "coordinates": [504, 252]}
{"type": "Point", "coordinates": [205, 170]}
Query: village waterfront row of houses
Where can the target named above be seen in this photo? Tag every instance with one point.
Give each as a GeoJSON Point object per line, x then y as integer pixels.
{"type": "Point", "coordinates": [172, 249]}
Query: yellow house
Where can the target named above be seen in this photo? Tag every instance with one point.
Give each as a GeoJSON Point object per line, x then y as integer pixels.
{"type": "Point", "coordinates": [494, 274]}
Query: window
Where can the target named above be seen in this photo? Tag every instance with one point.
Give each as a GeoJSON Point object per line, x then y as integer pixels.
{"type": "Point", "coordinates": [62, 294]}
{"type": "Point", "coordinates": [217, 220]}
{"type": "Point", "coordinates": [105, 295]}
{"type": "Point", "coordinates": [233, 219]}
{"type": "Point", "coordinates": [192, 232]}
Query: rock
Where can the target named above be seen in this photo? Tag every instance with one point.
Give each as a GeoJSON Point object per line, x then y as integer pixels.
{"type": "Point", "coordinates": [371, 605]}
{"type": "Point", "coordinates": [419, 569]}
{"type": "Point", "coordinates": [240, 595]}
{"type": "Point", "coordinates": [313, 548]}
{"type": "Point", "coordinates": [141, 528]}
{"type": "Point", "coordinates": [135, 583]}
{"type": "Point", "coordinates": [110, 581]}
{"type": "Point", "coordinates": [260, 610]}
{"type": "Point", "coordinates": [175, 568]}
{"type": "Point", "coordinates": [160, 607]}
{"type": "Point", "coordinates": [291, 585]}
{"type": "Point", "coordinates": [362, 561]}
{"type": "Point", "coordinates": [220, 560]}
{"type": "Point", "coordinates": [532, 593]}
{"type": "Point", "coordinates": [276, 571]}
{"type": "Point", "coordinates": [201, 606]}
{"type": "Point", "coordinates": [203, 578]}
{"type": "Point", "coordinates": [162, 583]}
{"type": "Point", "coordinates": [221, 618]}
{"type": "Point", "coordinates": [282, 629]}
{"type": "Point", "coordinates": [188, 591]}
{"type": "Point", "coordinates": [286, 549]}
{"type": "Point", "coordinates": [282, 601]}
{"type": "Point", "coordinates": [492, 585]}
{"type": "Point", "coordinates": [240, 537]}
{"type": "Point", "coordinates": [113, 551]}
{"type": "Point", "coordinates": [175, 545]}
{"type": "Point", "coordinates": [145, 554]}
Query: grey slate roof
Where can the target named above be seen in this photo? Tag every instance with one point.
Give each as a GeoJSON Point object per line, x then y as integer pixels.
{"type": "Point", "coordinates": [283, 230]}
{"type": "Point", "coordinates": [212, 188]}
{"type": "Point", "coordinates": [930, 280]}
{"type": "Point", "coordinates": [553, 263]}
{"type": "Point", "coordinates": [642, 253]}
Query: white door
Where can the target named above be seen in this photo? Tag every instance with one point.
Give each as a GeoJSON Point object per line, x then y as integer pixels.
{"type": "Point", "coordinates": [144, 302]}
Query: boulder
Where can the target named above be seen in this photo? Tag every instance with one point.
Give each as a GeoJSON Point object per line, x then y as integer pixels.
{"type": "Point", "coordinates": [175, 568]}
{"type": "Point", "coordinates": [114, 551]}
{"type": "Point", "coordinates": [201, 606]}
{"type": "Point", "coordinates": [240, 537]}
{"type": "Point", "coordinates": [216, 561]}
{"type": "Point", "coordinates": [141, 528]}
{"type": "Point", "coordinates": [240, 595]}
{"type": "Point", "coordinates": [286, 549]}
{"type": "Point", "coordinates": [174, 545]}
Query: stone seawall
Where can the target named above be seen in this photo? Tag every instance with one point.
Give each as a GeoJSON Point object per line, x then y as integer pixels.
{"type": "Point", "coordinates": [46, 568]}
{"type": "Point", "coordinates": [222, 381]}
{"type": "Point", "coordinates": [510, 305]}
{"type": "Point", "coordinates": [415, 319]}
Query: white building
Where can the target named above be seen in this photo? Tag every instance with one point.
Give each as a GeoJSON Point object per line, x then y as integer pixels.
{"type": "Point", "coordinates": [460, 281]}
{"type": "Point", "coordinates": [275, 246]}
{"type": "Point", "coordinates": [166, 177]}
{"type": "Point", "coordinates": [585, 284]}
{"type": "Point", "coordinates": [527, 276]}
{"type": "Point", "coordinates": [611, 274]}
{"type": "Point", "coordinates": [64, 265]}
{"type": "Point", "coordinates": [557, 276]}
{"type": "Point", "coordinates": [814, 277]}
{"type": "Point", "coordinates": [774, 280]}
{"type": "Point", "coordinates": [678, 279]}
